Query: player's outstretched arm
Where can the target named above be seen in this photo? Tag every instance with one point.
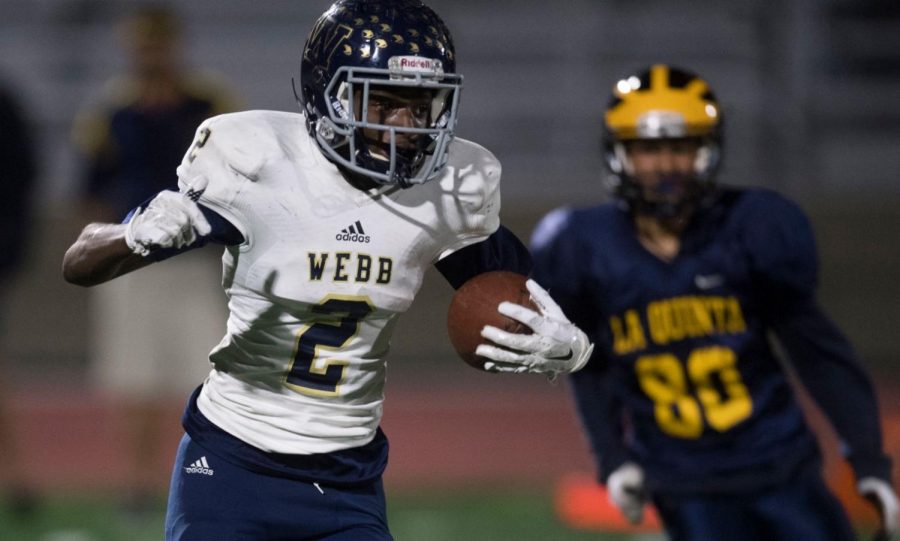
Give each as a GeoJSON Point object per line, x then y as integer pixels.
{"type": "Point", "coordinates": [557, 346]}
{"type": "Point", "coordinates": [100, 254]}
{"type": "Point", "coordinates": [104, 251]}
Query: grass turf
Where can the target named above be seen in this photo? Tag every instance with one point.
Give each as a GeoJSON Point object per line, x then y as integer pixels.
{"type": "Point", "coordinates": [413, 516]}
{"type": "Point", "coordinates": [474, 516]}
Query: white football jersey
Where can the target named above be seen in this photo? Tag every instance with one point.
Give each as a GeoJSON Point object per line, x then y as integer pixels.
{"type": "Point", "coordinates": [325, 269]}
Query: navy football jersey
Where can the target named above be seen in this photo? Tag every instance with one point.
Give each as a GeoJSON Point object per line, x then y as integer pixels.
{"type": "Point", "coordinates": [684, 379]}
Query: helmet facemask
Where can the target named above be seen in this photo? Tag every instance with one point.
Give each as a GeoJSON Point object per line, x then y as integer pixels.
{"type": "Point", "coordinates": [353, 137]}
{"type": "Point", "coordinates": [360, 50]}
{"type": "Point", "coordinates": [667, 195]}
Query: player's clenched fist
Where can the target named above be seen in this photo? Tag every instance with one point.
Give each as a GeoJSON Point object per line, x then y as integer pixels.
{"type": "Point", "coordinates": [170, 220]}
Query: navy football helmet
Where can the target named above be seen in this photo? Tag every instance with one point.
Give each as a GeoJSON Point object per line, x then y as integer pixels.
{"type": "Point", "coordinates": [662, 102]}
{"type": "Point", "coordinates": [359, 47]}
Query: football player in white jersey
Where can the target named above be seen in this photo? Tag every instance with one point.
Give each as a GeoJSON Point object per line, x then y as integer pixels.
{"type": "Point", "coordinates": [329, 220]}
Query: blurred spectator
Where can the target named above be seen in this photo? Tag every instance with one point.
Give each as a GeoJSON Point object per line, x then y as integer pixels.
{"type": "Point", "coordinates": [18, 173]}
{"type": "Point", "coordinates": [143, 355]}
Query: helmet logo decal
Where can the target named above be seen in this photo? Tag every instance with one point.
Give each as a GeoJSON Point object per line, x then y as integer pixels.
{"type": "Point", "coordinates": [406, 66]}
{"type": "Point", "coordinates": [661, 124]}
{"type": "Point", "coordinates": [339, 108]}
{"type": "Point", "coordinates": [326, 46]}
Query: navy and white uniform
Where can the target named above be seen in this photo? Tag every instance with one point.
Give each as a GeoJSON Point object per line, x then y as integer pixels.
{"type": "Point", "coordinates": [683, 379]}
{"type": "Point", "coordinates": [316, 273]}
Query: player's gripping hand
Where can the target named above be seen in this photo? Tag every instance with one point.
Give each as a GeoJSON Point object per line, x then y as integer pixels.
{"type": "Point", "coordinates": [882, 495]}
{"type": "Point", "coordinates": [625, 487]}
{"type": "Point", "coordinates": [171, 220]}
{"type": "Point", "coordinates": [556, 346]}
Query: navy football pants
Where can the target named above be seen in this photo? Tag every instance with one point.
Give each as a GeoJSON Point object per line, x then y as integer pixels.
{"type": "Point", "coordinates": [211, 499]}
{"type": "Point", "coordinates": [804, 509]}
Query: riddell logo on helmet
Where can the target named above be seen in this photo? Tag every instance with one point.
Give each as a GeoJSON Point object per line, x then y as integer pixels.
{"type": "Point", "coordinates": [416, 63]}
{"type": "Point", "coordinates": [400, 65]}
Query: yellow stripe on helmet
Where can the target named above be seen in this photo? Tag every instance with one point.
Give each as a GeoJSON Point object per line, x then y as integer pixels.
{"type": "Point", "coordinates": [661, 110]}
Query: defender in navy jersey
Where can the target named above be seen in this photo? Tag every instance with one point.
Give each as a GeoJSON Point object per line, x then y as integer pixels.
{"type": "Point", "coordinates": [329, 219]}
{"type": "Point", "coordinates": [679, 283]}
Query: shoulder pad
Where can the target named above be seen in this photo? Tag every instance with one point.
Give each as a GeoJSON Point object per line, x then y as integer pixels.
{"type": "Point", "coordinates": [779, 240]}
{"type": "Point", "coordinates": [468, 157]}
{"type": "Point", "coordinates": [473, 176]}
{"type": "Point", "coordinates": [469, 189]}
{"type": "Point", "coordinates": [231, 150]}
{"type": "Point", "coordinates": [243, 141]}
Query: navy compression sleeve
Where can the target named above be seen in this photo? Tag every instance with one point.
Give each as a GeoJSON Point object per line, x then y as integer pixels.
{"type": "Point", "coordinates": [501, 251]}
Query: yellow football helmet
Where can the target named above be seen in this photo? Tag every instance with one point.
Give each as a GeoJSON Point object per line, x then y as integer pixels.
{"type": "Point", "coordinates": [662, 102]}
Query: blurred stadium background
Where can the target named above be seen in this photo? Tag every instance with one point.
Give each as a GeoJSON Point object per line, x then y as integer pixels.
{"type": "Point", "coordinates": [811, 90]}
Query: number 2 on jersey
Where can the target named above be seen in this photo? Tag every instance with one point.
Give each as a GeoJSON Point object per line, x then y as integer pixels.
{"type": "Point", "coordinates": [337, 322]}
{"type": "Point", "coordinates": [720, 397]}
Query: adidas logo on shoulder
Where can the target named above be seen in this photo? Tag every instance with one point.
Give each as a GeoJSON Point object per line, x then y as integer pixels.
{"type": "Point", "coordinates": [353, 233]}
{"type": "Point", "coordinates": [201, 466]}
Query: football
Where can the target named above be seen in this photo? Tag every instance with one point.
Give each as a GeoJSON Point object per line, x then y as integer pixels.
{"type": "Point", "coordinates": [474, 305]}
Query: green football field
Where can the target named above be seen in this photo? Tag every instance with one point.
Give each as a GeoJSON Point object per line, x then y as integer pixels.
{"type": "Point", "coordinates": [469, 516]}
{"type": "Point", "coordinates": [413, 516]}
{"type": "Point", "coordinates": [442, 436]}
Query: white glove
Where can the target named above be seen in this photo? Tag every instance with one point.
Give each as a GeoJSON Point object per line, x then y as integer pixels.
{"type": "Point", "coordinates": [626, 491]}
{"type": "Point", "coordinates": [556, 345]}
{"type": "Point", "coordinates": [882, 495]}
{"type": "Point", "coordinates": [171, 220]}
